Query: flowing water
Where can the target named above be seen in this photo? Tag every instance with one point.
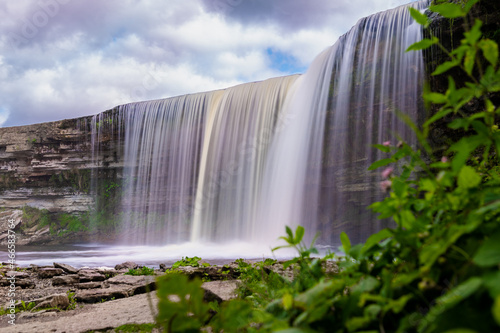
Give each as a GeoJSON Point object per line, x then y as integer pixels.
{"type": "Point", "coordinates": [235, 166]}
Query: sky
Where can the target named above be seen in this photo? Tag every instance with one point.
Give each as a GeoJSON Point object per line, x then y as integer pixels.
{"type": "Point", "coordinates": [63, 59]}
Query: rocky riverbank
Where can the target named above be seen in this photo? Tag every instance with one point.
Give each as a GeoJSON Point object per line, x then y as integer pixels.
{"type": "Point", "coordinates": [61, 298]}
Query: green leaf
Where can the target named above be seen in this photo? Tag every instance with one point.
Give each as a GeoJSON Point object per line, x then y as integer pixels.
{"type": "Point", "coordinates": [489, 253]}
{"type": "Point", "coordinates": [423, 44]}
{"type": "Point", "coordinates": [473, 35]}
{"type": "Point", "coordinates": [448, 10]}
{"type": "Point", "coordinates": [435, 98]}
{"type": "Point", "coordinates": [463, 148]}
{"type": "Point", "coordinates": [492, 283]}
{"type": "Point", "coordinates": [419, 17]}
{"type": "Point", "coordinates": [468, 178]}
{"type": "Point", "coordinates": [287, 301]}
{"type": "Point", "coordinates": [299, 234]}
{"type": "Point", "coordinates": [446, 66]}
{"type": "Point", "coordinates": [469, 5]}
{"type": "Point", "coordinates": [355, 323]}
{"type": "Point", "coordinates": [368, 284]}
{"type": "Point", "coordinates": [289, 232]}
{"type": "Point", "coordinates": [381, 163]}
{"type": "Point", "coordinates": [440, 114]}
{"type": "Point", "coordinates": [385, 149]}
{"type": "Point", "coordinates": [376, 238]}
{"type": "Point", "coordinates": [469, 61]}
{"type": "Point", "coordinates": [490, 50]}
{"type": "Point", "coordinates": [346, 243]}
{"type": "Point", "coordinates": [496, 310]}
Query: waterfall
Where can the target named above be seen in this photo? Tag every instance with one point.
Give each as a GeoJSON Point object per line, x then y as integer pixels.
{"type": "Point", "coordinates": [243, 162]}
{"type": "Point", "coordinates": [347, 101]}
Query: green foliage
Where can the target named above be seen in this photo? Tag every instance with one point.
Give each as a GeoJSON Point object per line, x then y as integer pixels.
{"type": "Point", "coordinates": [26, 306]}
{"type": "Point", "coordinates": [34, 216]}
{"type": "Point", "coordinates": [72, 300]}
{"type": "Point", "coordinates": [144, 270]}
{"type": "Point", "coordinates": [60, 224]}
{"type": "Point", "coordinates": [70, 224]}
{"type": "Point", "coordinates": [438, 270]}
{"type": "Point", "coordinates": [186, 261]}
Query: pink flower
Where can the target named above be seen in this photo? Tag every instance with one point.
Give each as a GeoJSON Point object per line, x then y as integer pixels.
{"type": "Point", "coordinates": [386, 143]}
{"type": "Point", "coordinates": [385, 185]}
{"type": "Point", "coordinates": [444, 159]}
{"type": "Point", "coordinates": [387, 172]}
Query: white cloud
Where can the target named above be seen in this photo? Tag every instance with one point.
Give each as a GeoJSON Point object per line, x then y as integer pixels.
{"type": "Point", "coordinates": [92, 55]}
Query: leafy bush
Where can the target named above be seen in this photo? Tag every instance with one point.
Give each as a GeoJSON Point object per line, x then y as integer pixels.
{"type": "Point", "coordinates": [436, 271]}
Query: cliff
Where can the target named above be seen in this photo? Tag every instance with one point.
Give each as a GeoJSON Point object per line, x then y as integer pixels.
{"type": "Point", "coordinates": [46, 173]}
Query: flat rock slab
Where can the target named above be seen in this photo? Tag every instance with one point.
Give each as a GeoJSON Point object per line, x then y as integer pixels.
{"type": "Point", "coordinates": [99, 316]}
{"type": "Point", "coordinates": [67, 268]}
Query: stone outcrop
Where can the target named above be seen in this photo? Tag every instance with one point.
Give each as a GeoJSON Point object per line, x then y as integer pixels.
{"type": "Point", "coordinates": [47, 171]}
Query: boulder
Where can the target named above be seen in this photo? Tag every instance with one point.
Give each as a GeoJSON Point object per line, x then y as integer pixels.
{"type": "Point", "coordinates": [67, 268]}
{"type": "Point", "coordinates": [126, 265]}
{"type": "Point", "coordinates": [60, 301]}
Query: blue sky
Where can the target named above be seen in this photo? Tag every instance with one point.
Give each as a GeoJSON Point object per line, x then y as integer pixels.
{"type": "Point", "coordinates": [69, 58]}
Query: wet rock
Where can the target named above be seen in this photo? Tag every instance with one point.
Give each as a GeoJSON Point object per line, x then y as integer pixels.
{"type": "Point", "coordinates": [47, 273]}
{"type": "Point", "coordinates": [60, 301]}
{"type": "Point", "coordinates": [126, 265]}
{"type": "Point", "coordinates": [163, 267]}
{"type": "Point", "coordinates": [90, 275]}
{"type": "Point", "coordinates": [67, 268]}
{"type": "Point", "coordinates": [65, 280]}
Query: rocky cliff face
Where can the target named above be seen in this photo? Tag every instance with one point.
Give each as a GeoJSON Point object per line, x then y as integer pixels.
{"type": "Point", "coordinates": [49, 168]}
